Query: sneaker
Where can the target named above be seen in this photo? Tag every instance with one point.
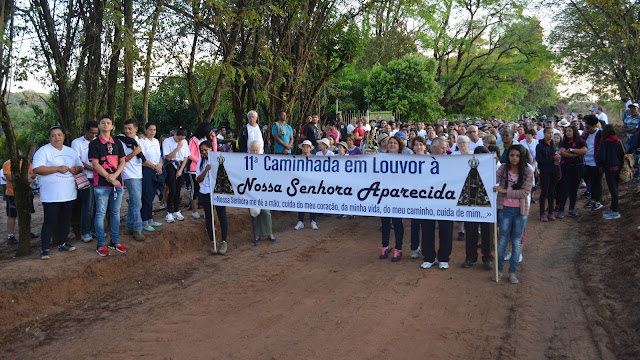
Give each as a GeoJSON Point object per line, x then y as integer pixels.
{"type": "Point", "coordinates": [162, 207]}
{"type": "Point", "coordinates": [573, 213]}
{"type": "Point", "coordinates": [427, 264]}
{"type": "Point", "coordinates": [597, 206]}
{"type": "Point", "coordinates": [44, 255]}
{"type": "Point", "coordinates": [11, 240]}
{"type": "Point", "coordinates": [341, 216]}
{"type": "Point", "coordinates": [299, 225]}
{"type": "Point", "coordinates": [415, 253]}
{"type": "Point", "coordinates": [583, 184]}
{"type": "Point", "coordinates": [589, 205]}
{"type": "Point", "coordinates": [513, 279]}
{"type": "Point", "coordinates": [169, 218]}
{"type": "Point", "coordinates": [384, 252]}
{"type": "Point", "coordinates": [127, 231]}
{"type": "Point", "coordinates": [223, 248]}
{"type": "Point", "coordinates": [493, 278]}
{"type": "Point", "coordinates": [608, 211]}
{"type": "Point", "coordinates": [102, 250]}
{"type": "Point", "coordinates": [612, 216]}
{"type": "Point", "coordinates": [507, 256]}
{"type": "Point", "coordinates": [351, 217]}
{"type": "Point", "coordinates": [66, 247]}
{"type": "Point", "coordinates": [138, 236]}
{"type": "Point", "coordinates": [461, 236]}
{"type": "Point", "coordinates": [560, 215]}
{"type": "Point", "coordinates": [178, 216]}
{"type": "Point", "coordinates": [397, 255]}
{"type": "Point", "coordinates": [213, 250]}
{"type": "Point", "coordinates": [586, 195]}
{"type": "Point", "coordinates": [148, 228]}
{"type": "Point", "coordinates": [35, 235]}
{"type": "Point", "coordinates": [121, 248]}
{"type": "Point", "coordinates": [551, 217]}
{"type": "Point", "coordinates": [467, 264]}
{"type": "Point", "coordinates": [443, 265]}
{"type": "Point", "coordinates": [272, 239]}
{"type": "Point", "coordinates": [556, 208]}
{"type": "Point", "coordinates": [195, 215]}
{"type": "Point", "coordinates": [520, 260]}
{"type": "Point", "coordinates": [543, 218]}
{"type": "Point", "coordinates": [86, 238]}
{"type": "Point", "coordinates": [314, 226]}
{"type": "Point", "coordinates": [488, 265]}
{"type": "Point", "coordinates": [156, 224]}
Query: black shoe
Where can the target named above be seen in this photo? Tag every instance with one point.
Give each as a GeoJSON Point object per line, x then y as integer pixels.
{"type": "Point", "coordinates": [586, 195]}
{"type": "Point", "coordinates": [341, 216]}
{"type": "Point", "coordinates": [66, 247]}
{"type": "Point", "coordinates": [12, 240]}
{"type": "Point", "coordinates": [351, 217]}
{"type": "Point", "coordinates": [467, 264]}
{"type": "Point", "coordinates": [488, 265]}
{"type": "Point", "coordinates": [461, 236]}
{"type": "Point", "coordinates": [35, 235]}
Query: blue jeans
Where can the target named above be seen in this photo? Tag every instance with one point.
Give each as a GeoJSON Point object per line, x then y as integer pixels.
{"type": "Point", "coordinates": [511, 225]}
{"type": "Point", "coordinates": [105, 197]}
{"type": "Point", "coordinates": [86, 212]}
{"type": "Point", "coordinates": [134, 219]}
{"type": "Point", "coordinates": [149, 186]}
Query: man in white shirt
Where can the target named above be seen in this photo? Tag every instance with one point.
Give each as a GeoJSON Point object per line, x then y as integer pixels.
{"type": "Point", "coordinates": [221, 134]}
{"type": "Point", "coordinates": [251, 132]}
{"type": "Point", "coordinates": [601, 115]}
{"type": "Point", "coordinates": [132, 175]}
{"type": "Point", "coordinates": [474, 139]}
{"type": "Point", "coordinates": [365, 124]}
{"type": "Point", "coordinates": [85, 196]}
{"type": "Point", "coordinates": [548, 123]}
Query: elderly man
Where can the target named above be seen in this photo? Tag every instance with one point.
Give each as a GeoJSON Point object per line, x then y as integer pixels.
{"type": "Point", "coordinates": [445, 227]}
{"type": "Point", "coordinates": [474, 139]}
{"type": "Point", "coordinates": [383, 140]}
{"type": "Point", "coordinates": [251, 132]}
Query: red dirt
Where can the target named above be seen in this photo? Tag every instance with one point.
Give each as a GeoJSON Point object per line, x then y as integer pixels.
{"type": "Point", "coordinates": [325, 295]}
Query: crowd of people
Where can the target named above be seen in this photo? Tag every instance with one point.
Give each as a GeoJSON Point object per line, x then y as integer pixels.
{"type": "Point", "coordinates": [557, 155]}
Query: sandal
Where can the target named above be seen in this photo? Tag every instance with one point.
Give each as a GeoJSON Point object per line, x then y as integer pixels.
{"type": "Point", "coordinates": [255, 242]}
{"type": "Point", "coordinates": [272, 239]}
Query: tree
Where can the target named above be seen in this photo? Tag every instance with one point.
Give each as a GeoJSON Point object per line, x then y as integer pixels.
{"type": "Point", "coordinates": [18, 172]}
{"type": "Point", "coordinates": [406, 86]}
{"type": "Point", "coordinates": [600, 40]}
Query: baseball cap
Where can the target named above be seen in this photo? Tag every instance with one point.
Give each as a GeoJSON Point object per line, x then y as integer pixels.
{"type": "Point", "coordinates": [635, 104]}
{"type": "Point", "coordinates": [401, 135]}
{"type": "Point", "coordinates": [593, 109]}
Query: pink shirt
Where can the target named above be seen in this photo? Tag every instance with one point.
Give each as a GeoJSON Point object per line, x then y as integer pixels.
{"type": "Point", "coordinates": [335, 134]}
{"type": "Point", "coordinates": [511, 202]}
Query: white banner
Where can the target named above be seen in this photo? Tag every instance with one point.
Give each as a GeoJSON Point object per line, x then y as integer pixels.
{"type": "Point", "coordinates": [444, 187]}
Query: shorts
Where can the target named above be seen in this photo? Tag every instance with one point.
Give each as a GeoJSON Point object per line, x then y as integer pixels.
{"type": "Point", "coordinates": [12, 211]}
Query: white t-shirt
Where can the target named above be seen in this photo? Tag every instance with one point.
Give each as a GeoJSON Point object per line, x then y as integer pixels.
{"type": "Point", "coordinates": [133, 167]}
{"type": "Point", "coordinates": [530, 147]}
{"type": "Point", "coordinates": [219, 137]}
{"type": "Point", "coordinates": [81, 146]}
{"type": "Point", "coordinates": [540, 134]}
{"type": "Point", "coordinates": [254, 134]}
{"type": "Point", "coordinates": [589, 158]}
{"type": "Point", "coordinates": [151, 149]}
{"type": "Point", "coordinates": [350, 128]}
{"type": "Point", "coordinates": [367, 127]}
{"type": "Point", "coordinates": [474, 145]}
{"type": "Point", "coordinates": [422, 133]}
{"type": "Point", "coordinates": [56, 187]}
{"type": "Point", "coordinates": [2, 179]}
{"type": "Point", "coordinates": [205, 185]}
{"type": "Point", "coordinates": [169, 144]}
{"type": "Point", "coordinates": [329, 153]}
{"type": "Point", "coordinates": [602, 116]}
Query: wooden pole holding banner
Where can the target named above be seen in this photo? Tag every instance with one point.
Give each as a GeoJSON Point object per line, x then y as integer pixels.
{"type": "Point", "coordinates": [495, 246]}
{"type": "Point", "coordinates": [213, 223]}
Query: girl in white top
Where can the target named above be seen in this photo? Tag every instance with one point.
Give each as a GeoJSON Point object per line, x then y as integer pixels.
{"type": "Point", "coordinates": [176, 153]}
{"type": "Point", "coordinates": [150, 171]}
{"type": "Point", "coordinates": [56, 164]}
{"type": "Point", "coordinates": [203, 177]}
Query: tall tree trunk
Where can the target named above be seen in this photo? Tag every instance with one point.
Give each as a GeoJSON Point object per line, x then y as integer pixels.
{"type": "Point", "coordinates": [112, 75]}
{"type": "Point", "coordinates": [94, 62]}
{"type": "Point", "coordinates": [147, 63]}
{"type": "Point", "coordinates": [129, 57]}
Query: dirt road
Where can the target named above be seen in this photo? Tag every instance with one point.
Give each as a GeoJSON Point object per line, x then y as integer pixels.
{"type": "Point", "coordinates": [311, 295]}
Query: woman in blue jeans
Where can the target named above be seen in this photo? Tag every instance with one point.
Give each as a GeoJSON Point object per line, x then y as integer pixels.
{"type": "Point", "coordinates": [514, 186]}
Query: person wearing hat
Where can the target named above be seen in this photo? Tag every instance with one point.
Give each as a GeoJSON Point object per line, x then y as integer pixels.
{"type": "Point", "coordinates": [306, 148]}
{"type": "Point", "coordinates": [323, 148]}
{"type": "Point", "coordinates": [382, 142]}
{"type": "Point", "coordinates": [342, 148]}
{"type": "Point", "coordinates": [563, 123]}
{"type": "Point", "coordinates": [403, 136]}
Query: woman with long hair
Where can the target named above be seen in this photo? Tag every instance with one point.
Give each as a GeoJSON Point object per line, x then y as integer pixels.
{"type": "Point", "coordinates": [548, 160]}
{"type": "Point", "coordinates": [515, 179]}
{"type": "Point", "coordinates": [395, 146]}
{"type": "Point", "coordinates": [200, 134]}
{"type": "Point", "coordinates": [203, 168]}
{"type": "Point", "coordinates": [572, 150]}
{"type": "Point", "coordinates": [176, 154]}
{"type": "Point", "coordinates": [610, 159]}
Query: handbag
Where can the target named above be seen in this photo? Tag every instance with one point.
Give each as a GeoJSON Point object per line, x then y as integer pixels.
{"type": "Point", "coordinates": [82, 181]}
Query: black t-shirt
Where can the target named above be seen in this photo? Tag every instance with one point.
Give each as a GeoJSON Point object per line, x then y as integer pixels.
{"type": "Point", "coordinates": [342, 128]}
{"type": "Point", "coordinates": [108, 153]}
{"type": "Point", "coordinates": [312, 133]}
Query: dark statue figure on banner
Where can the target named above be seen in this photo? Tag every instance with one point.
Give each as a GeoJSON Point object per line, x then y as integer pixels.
{"type": "Point", "coordinates": [473, 192]}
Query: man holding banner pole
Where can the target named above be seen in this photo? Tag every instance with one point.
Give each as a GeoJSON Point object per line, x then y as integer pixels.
{"type": "Point", "coordinates": [438, 147]}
